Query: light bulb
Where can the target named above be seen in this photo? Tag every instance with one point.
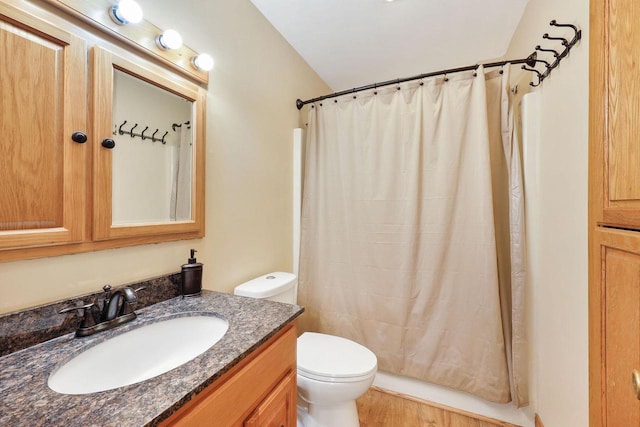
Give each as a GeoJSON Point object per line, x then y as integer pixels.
{"type": "Point", "coordinates": [203, 62]}
{"type": "Point", "coordinates": [170, 39]}
{"type": "Point", "coordinates": [125, 12]}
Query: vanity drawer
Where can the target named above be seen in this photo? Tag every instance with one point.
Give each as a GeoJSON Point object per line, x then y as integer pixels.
{"type": "Point", "coordinates": [233, 398]}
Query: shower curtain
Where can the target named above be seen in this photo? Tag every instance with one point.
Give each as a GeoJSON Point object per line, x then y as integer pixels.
{"type": "Point", "coordinates": [405, 246]}
{"type": "Point", "coordinates": [180, 205]}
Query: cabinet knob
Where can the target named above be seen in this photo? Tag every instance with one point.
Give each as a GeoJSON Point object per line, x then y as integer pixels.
{"type": "Point", "coordinates": [635, 382]}
{"type": "Point", "coordinates": [108, 143]}
{"type": "Point", "coordinates": [79, 137]}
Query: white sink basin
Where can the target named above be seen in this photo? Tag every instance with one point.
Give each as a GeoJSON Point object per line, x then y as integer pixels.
{"type": "Point", "coordinates": [138, 355]}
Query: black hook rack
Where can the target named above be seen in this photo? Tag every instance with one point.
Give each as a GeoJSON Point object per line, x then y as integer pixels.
{"type": "Point", "coordinates": [141, 135]}
{"type": "Point", "coordinates": [178, 125]}
{"type": "Point", "coordinates": [557, 55]}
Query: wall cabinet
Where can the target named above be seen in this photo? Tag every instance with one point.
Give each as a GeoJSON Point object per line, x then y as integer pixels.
{"type": "Point", "coordinates": [259, 392]}
{"type": "Point", "coordinates": [617, 110]}
{"type": "Point", "coordinates": [614, 215]}
{"type": "Point", "coordinates": [43, 88]}
{"type": "Point", "coordinates": [64, 191]}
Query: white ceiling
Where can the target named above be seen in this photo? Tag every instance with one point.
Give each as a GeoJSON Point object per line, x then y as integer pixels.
{"type": "Point", "coordinates": [351, 43]}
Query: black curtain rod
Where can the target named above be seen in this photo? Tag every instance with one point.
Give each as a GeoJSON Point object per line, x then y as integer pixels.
{"type": "Point", "coordinates": [530, 61]}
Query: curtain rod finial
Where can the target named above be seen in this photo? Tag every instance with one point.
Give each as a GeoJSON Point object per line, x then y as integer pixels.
{"type": "Point", "coordinates": [299, 104]}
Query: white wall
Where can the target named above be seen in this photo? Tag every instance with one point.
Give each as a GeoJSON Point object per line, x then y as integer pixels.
{"type": "Point", "coordinates": [250, 116]}
{"type": "Point", "coordinates": [559, 284]}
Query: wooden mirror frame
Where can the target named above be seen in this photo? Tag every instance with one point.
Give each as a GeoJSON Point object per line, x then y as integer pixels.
{"type": "Point", "coordinates": [103, 64]}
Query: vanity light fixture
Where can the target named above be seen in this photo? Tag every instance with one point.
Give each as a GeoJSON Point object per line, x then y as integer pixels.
{"type": "Point", "coordinates": [170, 39]}
{"type": "Point", "coordinates": [125, 12]}
{"type": "Point", "coordinates": [203, 62]}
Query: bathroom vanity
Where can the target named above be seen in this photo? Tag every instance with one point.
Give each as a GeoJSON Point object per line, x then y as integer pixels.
{"type": "Point", "coordinates": [248, 378]}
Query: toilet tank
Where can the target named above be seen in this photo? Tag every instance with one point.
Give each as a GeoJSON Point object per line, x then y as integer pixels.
{"type": "Point", "coordinates": [277, 286]}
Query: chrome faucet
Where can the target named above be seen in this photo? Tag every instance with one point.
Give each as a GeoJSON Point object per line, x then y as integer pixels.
{"type": "Point", "coordinates": [117, 308]}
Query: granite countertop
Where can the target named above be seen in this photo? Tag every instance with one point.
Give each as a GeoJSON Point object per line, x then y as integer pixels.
{"type": "Point", "coordinates": [26, 400]}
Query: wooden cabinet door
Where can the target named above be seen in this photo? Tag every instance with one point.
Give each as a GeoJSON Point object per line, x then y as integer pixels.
{"type": "Point", "coordinates": [260, 389]}
{"type": "Point", "coordinates": [617, 276]}
{"type": "Point", "coordinates": [615, 114]}
{"type": "Point", "coordinates": [106, 66]}
{"type": "Point", "coordinates": [42, 103]}
{"type": "Point", "coordinates": [279, 408]}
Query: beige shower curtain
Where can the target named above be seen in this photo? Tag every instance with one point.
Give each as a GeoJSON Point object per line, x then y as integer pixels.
{"type": "Point", "coordinates": [398, 247]}
{"type": "Point", "coordinates": [180, 204]}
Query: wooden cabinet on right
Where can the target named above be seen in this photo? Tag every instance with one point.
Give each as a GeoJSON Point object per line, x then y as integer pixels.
{"type": "Point", "coordinates": [614, 214]}
{"type": "Point", "coordinates": [614, 387]}
{"type": "Point", "coordinates": [615, 112]}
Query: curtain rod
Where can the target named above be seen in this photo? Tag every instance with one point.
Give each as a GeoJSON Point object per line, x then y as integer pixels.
{"type": "Point", "coordinates": [530, 61]}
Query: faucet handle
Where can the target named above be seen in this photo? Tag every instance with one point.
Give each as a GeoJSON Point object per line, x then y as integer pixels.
{"type": "Point", "coordinates": [129, 295]}
{"type": "Point", "coordinates": [80, 307]}
{"type": "Point", "coordinates": [87, 316]}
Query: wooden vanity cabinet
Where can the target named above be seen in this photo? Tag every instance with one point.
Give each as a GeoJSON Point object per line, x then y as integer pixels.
{"type": "Point", "coordinates": [260, 391]}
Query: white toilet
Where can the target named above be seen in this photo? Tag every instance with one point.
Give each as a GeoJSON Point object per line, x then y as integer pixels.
{"type": "Point", "coordinates": [332, 371]}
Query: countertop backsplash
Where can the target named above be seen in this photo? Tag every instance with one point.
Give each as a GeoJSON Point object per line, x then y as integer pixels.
{"type": "Point", "coordinates": [25, 328]}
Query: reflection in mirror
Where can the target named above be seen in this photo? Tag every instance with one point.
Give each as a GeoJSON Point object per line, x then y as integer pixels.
{"type": "Point", "coordinates": [152, 159]}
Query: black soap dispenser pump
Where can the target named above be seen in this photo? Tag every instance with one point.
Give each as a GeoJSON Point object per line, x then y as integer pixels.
{"type": "Point", "coordinates": [192, 276]}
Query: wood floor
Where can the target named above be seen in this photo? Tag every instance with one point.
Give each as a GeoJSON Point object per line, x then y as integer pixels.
{"type": "Point", "coordinates": [380, 408]}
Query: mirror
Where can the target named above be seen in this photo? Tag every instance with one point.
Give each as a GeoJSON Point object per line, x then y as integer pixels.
{"type": "Point", "coordinates": [149, 156]}
{"type": "Point", "coordinates": [153, 155]}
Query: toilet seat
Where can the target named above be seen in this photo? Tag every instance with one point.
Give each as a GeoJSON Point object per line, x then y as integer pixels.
{"type": "Point", "coordinates": [334, 359]}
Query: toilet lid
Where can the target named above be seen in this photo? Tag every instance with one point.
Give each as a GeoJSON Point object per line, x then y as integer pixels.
{"type": "Point", "coordinates": [330, 358]}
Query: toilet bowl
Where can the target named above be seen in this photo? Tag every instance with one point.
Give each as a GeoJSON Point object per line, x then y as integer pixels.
{"type": "Point", "coordinates": [332, 371]}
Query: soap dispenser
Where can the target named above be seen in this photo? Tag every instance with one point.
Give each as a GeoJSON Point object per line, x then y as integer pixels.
{"type": "Point", "coordinates": [192, 276]}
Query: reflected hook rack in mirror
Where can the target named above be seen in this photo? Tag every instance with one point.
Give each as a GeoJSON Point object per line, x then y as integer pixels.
{"type": "Point", "coordinates": [141, 135]}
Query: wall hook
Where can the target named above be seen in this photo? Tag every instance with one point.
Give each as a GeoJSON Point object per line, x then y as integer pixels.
{"type": "Point", "coordinates": [142, 134]}
{"type": "Point", "coordinates": [176, 125]}
{"type": "Point", "coordinates": [555, 23]}
{"type": "Point", "coordinates": [120, 131]}
{"type": "Point", "coordinates": [577, 32]}
{"type": "Point", "coordinates": [165, 134]}
{"type": "Point", "coordinates": [547, 64]}
{"type": "Point", "coordinates": [533, 70]}
{"type": "Point", "coordinates": [564, 41]}
{"type": "Point", "coordinates": [131, 131]}
{"type": "Point", "coordinates": [153, 137]}
{"type": "Point", "coordinates": [555, 52]}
